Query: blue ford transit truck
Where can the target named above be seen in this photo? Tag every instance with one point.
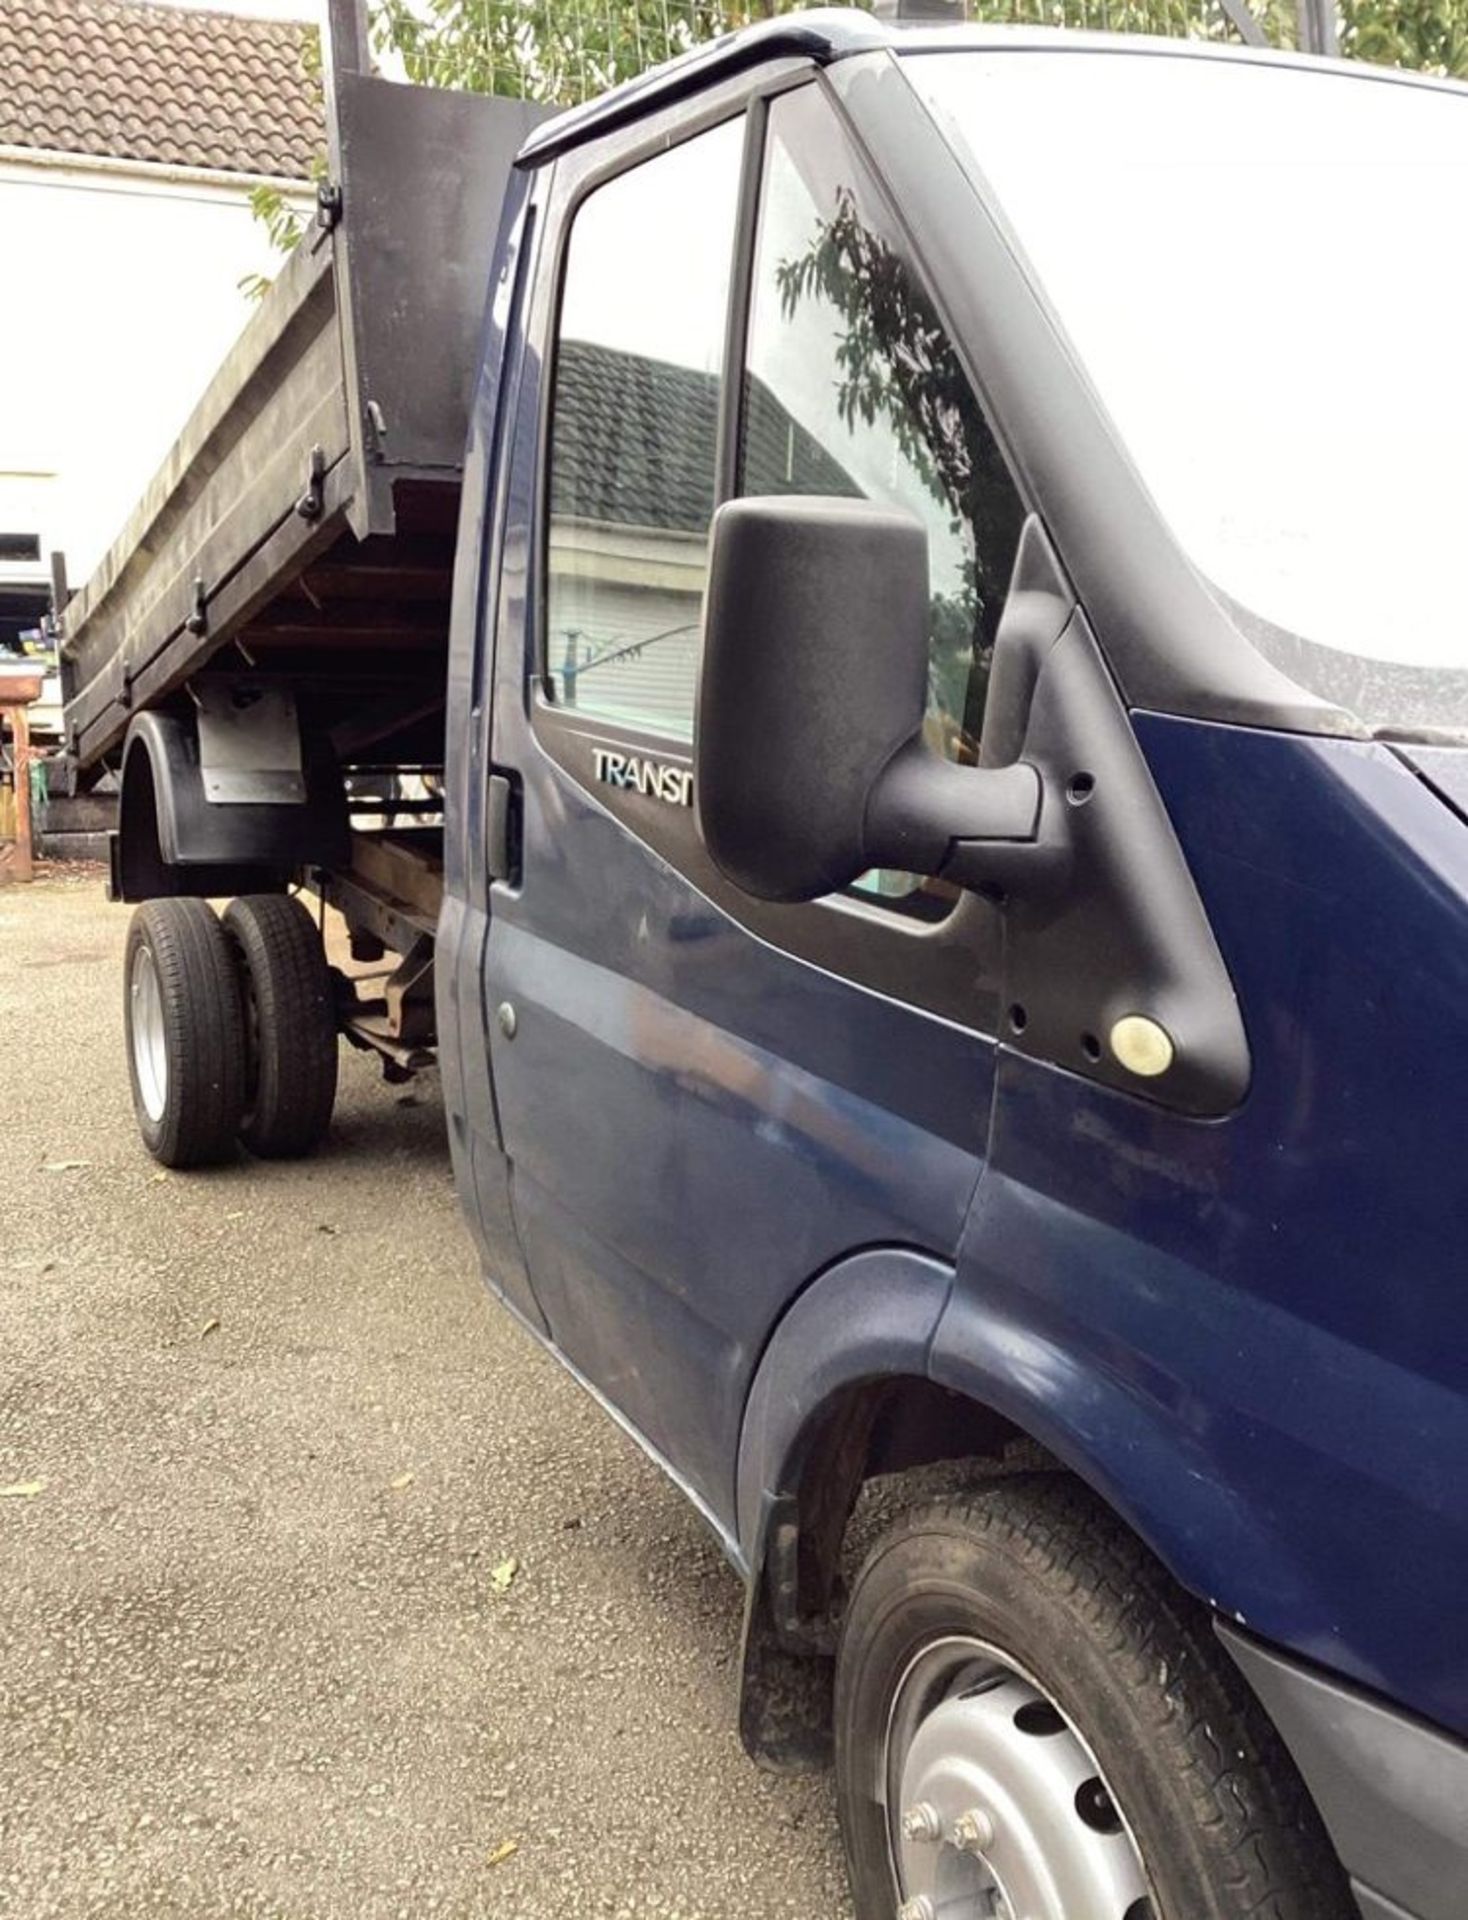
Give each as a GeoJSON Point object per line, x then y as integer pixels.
{"type": "Point", "coordinates": [862, 638]}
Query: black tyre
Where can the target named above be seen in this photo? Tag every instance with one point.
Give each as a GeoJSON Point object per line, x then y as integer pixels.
{"type": "Point", "coordinates": [185, 1033]}
{"type": "Point", "coordinates": [1034, 1722]}
{"type": "Point", "coordinates": [290, 1025]}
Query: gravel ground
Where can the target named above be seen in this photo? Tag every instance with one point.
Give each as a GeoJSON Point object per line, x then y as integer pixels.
{"type": "Point", "coordinates": [255, 1658]}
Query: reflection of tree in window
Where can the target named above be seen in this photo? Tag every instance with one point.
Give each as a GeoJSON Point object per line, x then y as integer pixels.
{"type": "Point", "coordinates": [895, 366]}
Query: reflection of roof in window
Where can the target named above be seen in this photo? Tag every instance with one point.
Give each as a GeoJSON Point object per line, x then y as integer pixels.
{"type": "Point", "coordinates": [634, 442]}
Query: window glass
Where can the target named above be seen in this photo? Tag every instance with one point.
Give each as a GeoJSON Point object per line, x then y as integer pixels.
{"type": "Point", "coordinates": [853, 387]}
{"type": "Point", "coordinates": [634, 435]}
{"type": "Point", "coordinates": [1264, 270]}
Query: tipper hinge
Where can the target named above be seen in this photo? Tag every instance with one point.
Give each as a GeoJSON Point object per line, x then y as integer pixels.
{"type": "Point", "coordinates": [312, 501]}
{"type": "Point", "coordinates": [198, 620]}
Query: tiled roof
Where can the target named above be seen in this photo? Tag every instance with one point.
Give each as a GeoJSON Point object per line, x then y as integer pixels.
{"type": "Point", "coordinates": [634, 444]}
{"type": "Point", "coordinates": [167, 84]}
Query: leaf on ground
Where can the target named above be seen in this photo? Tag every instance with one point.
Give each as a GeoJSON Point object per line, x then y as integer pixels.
{"type": "Point", "coordinates": [400, 1482]}
{"type": "Point", "coordinates": [161, 1174]}
{"type": "Point", "coordinates": [498, 1855]}
{"type": "Point", "coordinates": [323, 1226]}
{"type": "Point", "coordinates": [501, 1576]}
{"type": "Point", "coordinates": [21, 1490]}
{"type": "Point", "coordinates": [234, 1216]}
{"type": "Point", "coordinates": [64, 1166]}
{"type": "Point", "coordinates": [209, 1326]}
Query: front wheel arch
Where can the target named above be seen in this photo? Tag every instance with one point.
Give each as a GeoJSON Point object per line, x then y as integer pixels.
{"type": "Point", "coordinates": [865, 1431]}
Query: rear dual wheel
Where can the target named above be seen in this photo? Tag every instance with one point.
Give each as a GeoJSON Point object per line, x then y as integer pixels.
{"type": "Point", "coordinates": [1034, 1723]}
{"type": "Point", "coordinates": [231, 1029]}
{"type": "Point", "coordinates": [290, 1025]}
{"type": "Point", "coordinates": [185, 1033]}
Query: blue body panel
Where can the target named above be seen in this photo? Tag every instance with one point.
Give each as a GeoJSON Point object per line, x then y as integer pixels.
{"type": "Point", "coordinates": [698, 1123]}
{"type": "Point", "coordinates": [1249, 1334]}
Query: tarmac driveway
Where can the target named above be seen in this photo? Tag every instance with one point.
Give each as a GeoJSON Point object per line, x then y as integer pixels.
{"type": "Point", "coordinates": [322, 1591]}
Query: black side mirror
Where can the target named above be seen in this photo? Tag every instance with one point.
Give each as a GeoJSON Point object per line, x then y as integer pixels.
{"type": "Point", "coordinates": [809, 763]}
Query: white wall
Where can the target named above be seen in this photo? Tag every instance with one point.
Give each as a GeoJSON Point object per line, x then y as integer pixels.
{"type": "Point", "coordinates": [119, 296]}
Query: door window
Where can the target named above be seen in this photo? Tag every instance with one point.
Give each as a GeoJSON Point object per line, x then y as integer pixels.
{"type": "Point", "coordinates": [634, 435]}
{"type": "Point", "coordinates": [851, 386]}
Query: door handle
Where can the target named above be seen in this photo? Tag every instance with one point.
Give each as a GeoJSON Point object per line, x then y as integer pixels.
{"type": "Point", "coordinates": [503, 831]}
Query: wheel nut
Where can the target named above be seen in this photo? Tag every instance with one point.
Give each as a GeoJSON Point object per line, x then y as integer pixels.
{"type": "Point", "coordinates": [973, 1831]}
{"type": "Point", "coordinates": [920, 1907]}
{"type": "Point", "coordinates": [922, 1823]}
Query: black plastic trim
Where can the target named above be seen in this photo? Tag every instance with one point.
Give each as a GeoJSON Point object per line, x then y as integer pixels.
{"type": "Point", "coordinates": [736, 317]}
{"type": "Point", "coordinates": [1444, 769]}
{"type": "Point", "coordinates": [503, 827]}
{"type": "Point", "coordinates": [172, 840]}
{"type": "Point", "coordinates": [817, 36]}
{"type": "Point", "coordinates": [1102, 919]}
{"type": "Point", "coordinates": [1392, 1791]}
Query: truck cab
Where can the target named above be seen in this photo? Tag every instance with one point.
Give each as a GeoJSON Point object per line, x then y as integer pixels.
{"type": "Point", "coordinates": [956, 924]}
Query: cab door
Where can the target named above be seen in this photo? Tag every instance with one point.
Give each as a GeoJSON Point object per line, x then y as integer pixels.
{"type": "Point", "coordinates": [706, 1101]}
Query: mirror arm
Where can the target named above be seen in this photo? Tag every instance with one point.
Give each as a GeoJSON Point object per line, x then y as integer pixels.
{"type": "Point", "coordinates": [924, 809]}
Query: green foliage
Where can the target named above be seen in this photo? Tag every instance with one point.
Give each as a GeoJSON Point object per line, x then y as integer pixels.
{"type": "Point", "coordinates": [558, 51]}
{"type": "Point", "coordinates": [1431, 35]}
{"type": "Point", "coordinates": [281, 220]}
{"type": "Point", "coordinates": [564, 51]}
{"type": "Point", "coordinates": [283, 224]}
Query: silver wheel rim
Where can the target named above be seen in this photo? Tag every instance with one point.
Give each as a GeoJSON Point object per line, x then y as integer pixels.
{"type": "Point", "coordinates": [150, 1051]}
{"type": "Point", "coordinates": [996, 1808]}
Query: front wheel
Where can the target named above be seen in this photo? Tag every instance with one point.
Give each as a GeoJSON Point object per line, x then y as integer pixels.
{"type": "Point", "coordinates": [1034, 1723]}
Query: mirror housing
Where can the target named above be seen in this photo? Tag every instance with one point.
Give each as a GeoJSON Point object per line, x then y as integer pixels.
{"type": "Point", "coordinates": [810, 762]}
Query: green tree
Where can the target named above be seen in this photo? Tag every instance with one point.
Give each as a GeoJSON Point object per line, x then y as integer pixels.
{"type": "Point", "coordinates": [1430, 35]}
{"type": "Point", "coordinates": [896, 366]}
{"type": "Point", "coordinates": [558, 51]}
{"type": "Point", "coordinates": [563, 51]}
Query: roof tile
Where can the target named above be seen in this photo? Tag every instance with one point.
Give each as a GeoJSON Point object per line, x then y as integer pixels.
{"type": "Point", "coordinates": [126, 79]}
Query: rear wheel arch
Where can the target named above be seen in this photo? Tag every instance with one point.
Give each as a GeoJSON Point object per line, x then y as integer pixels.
{"type": "Point", "coordinates": [174, 840]}
{"type": "Point", "coordinates": [142, 871]}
